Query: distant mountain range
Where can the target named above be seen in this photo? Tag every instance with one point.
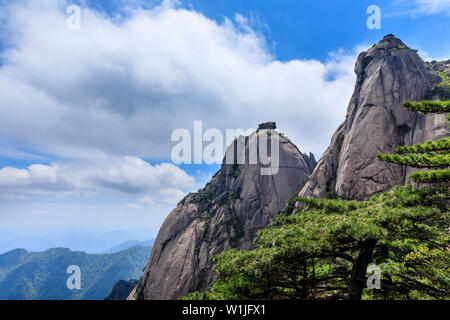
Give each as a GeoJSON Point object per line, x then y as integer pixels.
{"type": "Point", "coordinates": [76, 240]}
{"type": "Point", "coordinates": [42, 275]}
{"type": "Point", "coordinates": [129, 244]}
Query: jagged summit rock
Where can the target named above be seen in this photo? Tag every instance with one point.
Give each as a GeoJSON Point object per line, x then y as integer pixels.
{"type": "Point", "coordinates": [267, 126]}
{"type": "Point", "coordinates": [387, 74]}
{"type": "Point", "coordinates": [226, 214]}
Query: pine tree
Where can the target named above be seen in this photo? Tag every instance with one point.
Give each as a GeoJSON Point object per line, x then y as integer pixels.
{"type": "Point", "coordinates": [323, 252]}
{"type": "Point", "coordinates": [423, 272]}
{"type": "Point", "coordinates": [433, 155]}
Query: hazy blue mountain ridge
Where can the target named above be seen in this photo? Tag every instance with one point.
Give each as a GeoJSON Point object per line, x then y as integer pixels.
{"type": "Point", "coordinates": [129, 244]}
{"type": "Point", "coordinates": [42, 275]}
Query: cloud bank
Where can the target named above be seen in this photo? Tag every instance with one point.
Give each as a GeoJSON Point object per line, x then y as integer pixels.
{"type": "Point", "coordinates": [121, 86]}
{"type": "Point", "coordinates": [100, 99]}
{"type": "Point", "coordinates": [125, 176]}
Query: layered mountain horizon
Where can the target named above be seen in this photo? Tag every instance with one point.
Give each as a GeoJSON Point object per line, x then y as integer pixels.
{"type": "Point", "coordinates": [77, 240]}
{"type": "Point", "coordinates": [43, 275]}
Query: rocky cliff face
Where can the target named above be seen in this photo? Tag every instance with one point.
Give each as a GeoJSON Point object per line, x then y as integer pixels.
{"type": "Point", "coordinates": [122, 289]}
{"type": "Point", "coordinates": [387, 74]}
{"type": "Point", "coordinates": [226, 214]}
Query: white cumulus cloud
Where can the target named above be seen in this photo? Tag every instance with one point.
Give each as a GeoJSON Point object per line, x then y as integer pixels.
{"type": "Point", "coordinates": [121, 86]}
{"type": "Point", "coordinates": [99, 100]}
{"type": "Point", "coordinates": [433, 6]}
{"type": "Point", "coordinates": [128, 176]}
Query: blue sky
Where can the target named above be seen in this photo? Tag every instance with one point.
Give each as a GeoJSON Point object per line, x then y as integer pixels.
{"type": "Point", "coordinates": [311, 29]}
{"type": "Point", "coordinates": [86, 116]}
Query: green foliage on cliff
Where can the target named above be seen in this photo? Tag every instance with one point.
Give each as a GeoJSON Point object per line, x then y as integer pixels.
{"type": "Point", "coordinates": [441, 89]}
{"type": "Point", "coordinates": [323, 252]}
{"type": "Point", "coordinates": [427, 106]}
{"type": "Point", "coordinates": [432, 154]}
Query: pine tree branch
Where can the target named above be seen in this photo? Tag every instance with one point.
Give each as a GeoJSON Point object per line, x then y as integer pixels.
{"type": "Point", "coordinates": [417, 161]}
{"type": "Point", "coordinates": [434, 176]}
{"type": "Point", "coordinates": [428, 106]}
{"type": "Point", "coordinates": [429, 146]}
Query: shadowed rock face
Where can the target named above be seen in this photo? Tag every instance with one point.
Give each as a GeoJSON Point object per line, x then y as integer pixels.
{"type": "Point", "coordinates": [226, 214]}
{"type": "Point", "coordinates": [122, 289]}
{"type": "Point", "coordinates": [387, 74]}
